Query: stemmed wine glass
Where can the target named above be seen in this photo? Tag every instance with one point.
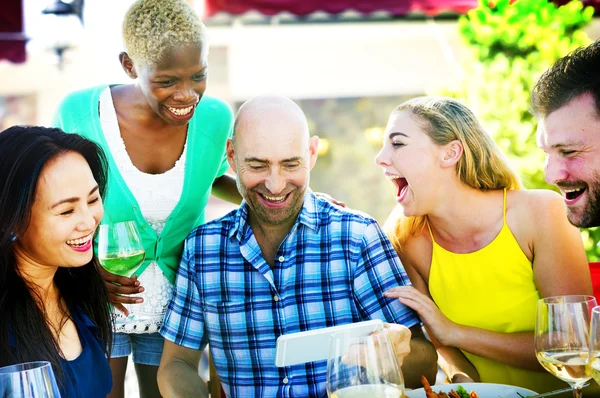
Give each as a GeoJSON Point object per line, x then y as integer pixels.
{"type": "Point", "coordinates": [120, 249]}
{"type": "Point", "coordinates": [363, 367]}
{"type": "Point", "coordinates": [595, 345]}
{"type": "Point", "coordinates": [28, 380]}
{"type": "Point", "coordinates": [562, 338]}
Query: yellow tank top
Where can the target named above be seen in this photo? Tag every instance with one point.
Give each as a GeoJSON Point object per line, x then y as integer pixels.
{"type": "Point", "coordinates": [494, 289]}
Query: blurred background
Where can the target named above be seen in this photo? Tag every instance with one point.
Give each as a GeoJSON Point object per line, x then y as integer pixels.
{"type": "Point", "coordinates": [348, 63]}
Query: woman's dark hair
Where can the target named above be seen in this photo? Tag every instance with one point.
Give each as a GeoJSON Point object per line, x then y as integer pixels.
{"type": "Point", "coordinates": [24, 152]}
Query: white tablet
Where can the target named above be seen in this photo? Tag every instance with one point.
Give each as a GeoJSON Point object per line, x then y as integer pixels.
{"type": "Point", "coordinates": [313, 345]}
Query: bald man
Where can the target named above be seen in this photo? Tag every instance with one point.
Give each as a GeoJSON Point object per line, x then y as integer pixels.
{"type": "Point", "coordinates": [286, 261]}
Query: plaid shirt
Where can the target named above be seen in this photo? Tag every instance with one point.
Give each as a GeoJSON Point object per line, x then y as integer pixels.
{"type": "Point", "coordinates": [331, 269]}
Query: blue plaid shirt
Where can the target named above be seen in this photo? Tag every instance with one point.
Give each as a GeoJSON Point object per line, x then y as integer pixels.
{"type": "Point", "coordinates": [331, 269]}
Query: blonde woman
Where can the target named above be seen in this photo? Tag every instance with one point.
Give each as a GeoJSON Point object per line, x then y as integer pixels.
{"type": "Point", "coordinates": [479, 250]}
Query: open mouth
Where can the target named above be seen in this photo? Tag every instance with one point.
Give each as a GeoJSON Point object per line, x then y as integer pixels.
{"type": "Point", "coordinates": [80, 243]}
{"type": "Point", "coordinates": [274, 199]}
{"type": "Point", "coordinates": [400, 183]}
{"type": "Point", "coordinates": [573, 193]}
{"type": "Point", "coordinates": [181, 113]}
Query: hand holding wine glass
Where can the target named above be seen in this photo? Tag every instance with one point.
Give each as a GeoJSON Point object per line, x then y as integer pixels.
{"type": "Point", "coordinates": [120, 250]}
{"type": "Point", "coordinates": [363, 367]}
{"type": "Point", "coordinates": [562, 334]}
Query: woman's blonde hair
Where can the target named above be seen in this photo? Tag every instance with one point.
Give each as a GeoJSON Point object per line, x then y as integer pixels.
{"type": "Point", "coordinates": [481, 166]}
{"type": "Point", "coordinates": [151, 27]}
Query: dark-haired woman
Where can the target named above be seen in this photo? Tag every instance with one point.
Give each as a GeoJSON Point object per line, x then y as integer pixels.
{"type": "Point", "coordinates": [53, 301]}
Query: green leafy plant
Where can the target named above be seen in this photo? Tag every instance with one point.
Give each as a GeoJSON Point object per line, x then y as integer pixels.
{"type": "Point", "coordinates": [510, 45]}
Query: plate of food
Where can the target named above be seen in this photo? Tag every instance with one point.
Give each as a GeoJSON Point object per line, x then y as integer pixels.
{"type": "Point", "coordinates": [469, 390]}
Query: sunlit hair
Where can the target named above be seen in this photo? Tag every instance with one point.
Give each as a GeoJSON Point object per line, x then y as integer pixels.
{"type": "Point", "coordinates": [481, 166]}
{"type": "Point", "coordinates": [573, 75]}
{"type": "Point", "coordinates": [151, 27]}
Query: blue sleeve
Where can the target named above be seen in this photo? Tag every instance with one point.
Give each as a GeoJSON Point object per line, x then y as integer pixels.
{"type": "Point", "coordinates": [378, 270]}
{"type": "Point", "coordinates": [184, 321]}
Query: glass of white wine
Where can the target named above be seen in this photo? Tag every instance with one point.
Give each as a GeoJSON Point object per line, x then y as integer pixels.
{"type": "Point", "coordinates": [595, 345]}
{"type": "Point", "coordinates": [562, 338]}
{"type": "Point", "coordinates": [361, 367]}
{"type": "Point", "coordinates": [120, 249]}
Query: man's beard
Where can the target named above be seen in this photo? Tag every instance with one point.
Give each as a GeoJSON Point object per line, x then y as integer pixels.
{"type": "Point", "coordinates": [275, 216]}
{"type": "Point", "coordinates": [590, 216]}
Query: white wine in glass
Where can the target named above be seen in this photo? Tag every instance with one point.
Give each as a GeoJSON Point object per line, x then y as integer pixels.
{"type": "Point", "coordinates": [569, 366]}
{"type": "Point", "coordinates": [120, 249]}
{"type": "Point", "coordinates": [363, 367]}
{"type": "Point", "coordinates": [121, 252]}
{"type": "Point", "coordinates": [595, 345]}
{"type": "Point", "coordinates": [562, 338]}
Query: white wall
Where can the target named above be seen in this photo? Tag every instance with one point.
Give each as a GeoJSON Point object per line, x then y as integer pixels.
{"type": "Point", "coordinates": [338, 60]}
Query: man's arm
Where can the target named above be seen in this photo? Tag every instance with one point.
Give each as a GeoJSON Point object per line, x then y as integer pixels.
{"type": "Point", "coordinates": [422, 360]}
{"type": "Point", "coordinates": [178, 372]}
{"type": "Point", "coordinates": [378, 270]}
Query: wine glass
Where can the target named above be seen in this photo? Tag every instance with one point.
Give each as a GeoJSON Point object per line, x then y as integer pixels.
{"type": "Point", "coordinates": [363, 367]}
{"type": "Point", "coordinates": [595, 345]}
{"type": "Point", "coordinates": [28, 380]}
{"type": "Point", "coordinates": [562, 337]}
{"type": "Point", "coordinates": [120, 248]}
{"type": "Point", "coordinates": [121, 252]}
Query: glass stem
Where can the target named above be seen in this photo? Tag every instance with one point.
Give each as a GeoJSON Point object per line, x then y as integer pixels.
{"type": "Point", "coordinates": [577, 392]}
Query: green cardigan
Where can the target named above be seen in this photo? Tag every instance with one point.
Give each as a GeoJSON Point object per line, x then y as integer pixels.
{"type": "Point", "coordinates": [206, 160]}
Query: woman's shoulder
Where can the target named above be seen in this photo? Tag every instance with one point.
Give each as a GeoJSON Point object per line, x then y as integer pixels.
{"type": "Point", "coordinates": [534, 202]}
{"type": "Point", "coordinates": [530, 213]}
{"type": "Point", "coordinates": [417, 250]}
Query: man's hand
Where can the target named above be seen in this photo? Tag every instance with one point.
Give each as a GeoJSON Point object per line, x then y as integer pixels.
{"type": "Point", "coordinates": [119, 287]}
{"type": "Point", "coordinates": [400, 339]}
{"type": "Point", "coordinates": [461, 378]}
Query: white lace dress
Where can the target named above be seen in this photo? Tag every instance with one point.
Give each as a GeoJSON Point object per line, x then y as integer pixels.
{"type": "Point", "coordinates": [157, 196]}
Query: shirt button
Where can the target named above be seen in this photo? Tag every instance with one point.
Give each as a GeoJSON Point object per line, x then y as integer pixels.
{"type": "Point", "coordinates": [281, 259]}
{"type": "Point", "coordinates": [276, 298]}
{"type": "Point", "coordinates": [285, 380]}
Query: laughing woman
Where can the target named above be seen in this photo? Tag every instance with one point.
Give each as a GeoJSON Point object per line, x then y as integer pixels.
{"type": "Point", "coordinates": [165, 142]}
{"type": "Point", "coordinates": [53, 301]}
{"type": "Point", "coordinates": [479, 250]}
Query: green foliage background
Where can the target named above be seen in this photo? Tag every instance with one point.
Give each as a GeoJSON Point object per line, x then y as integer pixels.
{"type": "Point", "coordinates": [510, 45]}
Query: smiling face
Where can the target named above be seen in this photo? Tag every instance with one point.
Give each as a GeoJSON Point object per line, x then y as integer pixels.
{"type": "Point", "coordinates": [570, 137]}
{"type": "Point", "coordinates": [272, 157]}
{"type": "Point", "coordinates": [410, 160]}
{"type": "Point", "coordinates": [174, 87]}
{"type": "Point", "coordinates": [64, 216]}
